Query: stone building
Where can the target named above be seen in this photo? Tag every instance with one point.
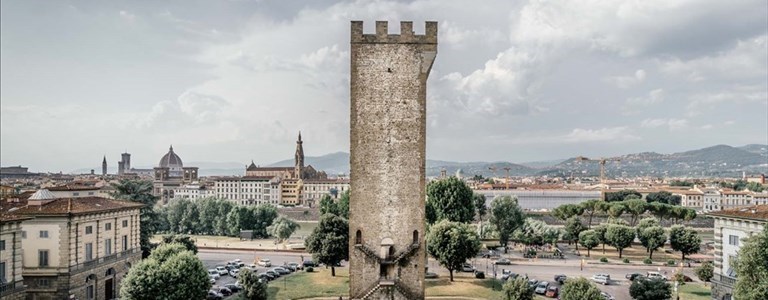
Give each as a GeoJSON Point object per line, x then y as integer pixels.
{"type": "Point", "coordinates": [248, 190]}
{"type": "Point", "coordinates": [76, 248]}
{"type": "Point", "coordinates": [388, 149]}
{"type": "Point", "coordinates": [171, 174]}
{"type": "Point", "coordinates": [11, 280]}
{"type": "Point", "coordinates": [731, 227]}
{"type": "Point", "coordinates": [194, 190]}
{"type": "Point", "coordinates": [314, 189]}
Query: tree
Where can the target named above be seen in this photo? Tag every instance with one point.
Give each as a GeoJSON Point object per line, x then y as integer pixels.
{"type": "Point", "coordinates": [328, 206]}
{"type": "Point", "coordinates": [706, 271]}
{"type": "Point", "coordinates": [282, 228]}
{"type": "Point", "coordinates": [507, 216]}
{"type": "Point", "coordinates": [343, 205]}
{"type": "Point", "coordinates": [663, 197]}
{"type": "Point", "coordinates": [579, 289]}
{"type": "Point", "coordinates": [140, 191]}
{"type": "Point", "coordinates": [616, 209]}
{"type": "Point", "coordinates": [652, 238]}
{"type": "Point", "coordinates": [650, 289]}
{"type": "Point", "coordinates": [480, 208]}
{"type": "Point", "coordinates": [685, 240]}
{"type": "Point", "coordinates": [451, 199]}
{"type": "Point", "coordinates": [253, 288]}
{"type": "Point", "coordinates": [600, 232]}
{"type": "Point", "coordinates": [329, 241]}
{"type": "Point", "coordinates": [566, 211]}
{"type": "Point", "coordinates": [622, 195]}
{"type": "Point", "coordinates": [590, 207]}
{"type": "Point", "coordinates": [589, 239]}
{"type": "Point", "coordinates": [660, 210]}
{"type": "Point", "coordinates": [755, 187]}
{"type": "Point", "coordinates": [187, 241]}
{"type": "Point", "coordinates": [517, 289]}
{"type": "Point", "coordinates": [452, 243]}
{"type": "Point", "coordinates": [620, 237]}
{"type": "Point", "coordinates": [168, 265]}
{"type": "Point", "coordinates": [752, 268]}
{"type": "Point", "coordinates": [263, 216]}
{"type": "Point", "coordinates": [574, 227]}
{"type": "Point", "coordinates": [635, 207]}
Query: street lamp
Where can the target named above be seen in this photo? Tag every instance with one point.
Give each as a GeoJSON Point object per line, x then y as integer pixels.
{"type": "Point", "coordinates": [582, 265]}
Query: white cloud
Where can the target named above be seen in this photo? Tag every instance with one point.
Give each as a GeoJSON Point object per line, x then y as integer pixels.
{"type": "Point", "coordinates": [612, 134]}
{"type": "Point", "coordinates": [673, 124]}
{"type": "Point", "coordinates": [627, 81]}
{"type": "Point", "coordinates": [744, 61]}
{"type": "Point", "coordinates": [127, 16]}
{"type": "Point", "coordinates": [654, 97]}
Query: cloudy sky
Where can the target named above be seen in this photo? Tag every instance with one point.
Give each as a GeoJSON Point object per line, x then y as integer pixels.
{"type": "Point", "coordinates": [231, 81]}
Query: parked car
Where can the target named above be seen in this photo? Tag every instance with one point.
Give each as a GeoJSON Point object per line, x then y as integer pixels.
{"type": "Point", "coordinates": [239, 262]}
{"type": "Point", "coordinates": [214, 295]}
{"type": "Point", "coordinates": [214, 274]}
{"type": "Point", "coordinates": [507, 274]}
{"type": "Point", "coordinates": [479, 274]}
{"type": "Point", "coordinates": [607, 296]}
{"type": "Point", "coordinates": [265, 276]}
{"type": "Point", "coordinates": [253, 267]}
{"type": "Point", "coordinates": [541, 288]}
{"type": "Point", "coordinates": [264, 262]}
{"type": "Point", "coordinates": [222, 290]}
{"type": "Point", "coordinates": [281, 271]}
{"type": "Point", "coordinates": [430, 275]}
{"type": "Point", "coordinates": [295, 265]}
{"type": "Point", "coordinates": [289, 268]}
{"type": "Point", "coordinates": [604, 279]}
{"type": "Point", "coordinates": [274, 274]}
{"type": "Point", "coordinates": [234, 273]}
{"type": "Point", "coordinates": [233, 287]}
{"type": "Point", "coordinates": [211, 280]}
{"type": "Point", "coordinates": [552, 291]}
{"type": "Point", "coordinates": [560, 278]}
{"type": "Point", "coordinates": [467, 268]}
{"type": "Point", "coordinates": [503, 261]}
{"type": "Point", "coordinates": [222, 270]}
{"type": "Point", "coordinates": [532, 283]}
{"type": "Point", "coordinates": [632, 276]}
{"type": "Point", "coordinates": [309, 263]}
{"type": "Point", "coordinates": [655, 275]}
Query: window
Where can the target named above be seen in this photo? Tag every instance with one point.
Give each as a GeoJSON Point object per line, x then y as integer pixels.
{"type": "Point", "coordinates": [125, 242]}
{"type": "Point", "coordinates": [75, 194]}
{"type": "Point", "coordinates": [88, 229]}
{"type": "Point", "coordinates": [125, 223]}
{"type": "Point", "coordinates": [90, 193]}
{"type": "Point", "coordinates": [108, 247]}
{"type": "Point", "coordinates": [88, 251]}
{"type": "Point", "coordinates": [44, 234]}
{"type": "Point", "coordinates": [89, 294]}
{"type": "Point", "coordinates": [2, 245]}
{"type": "Point", "coordinates": [2, 272]}
{"type": "Point", "coordinates": [44, 282]}
{"type": "Point", "coordinates": [733, 240]}
{"type": "Point", "coordinates": [107, 226]}
{"type": "Point", "coordinates": [23, 234]}
{"type": "Point", "coordinates": [42, 258]}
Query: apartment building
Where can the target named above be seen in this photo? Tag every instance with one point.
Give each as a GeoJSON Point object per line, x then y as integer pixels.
{"type": "Point", "coordinates": [691, 199]}
{"type": "Point", "coordinates": [75, 248]}
{"type": "Point", "coordinates": [70, 191]}
{"type": "Point", "coordinates": [11, 280]}
{"type": "Point", "coordinates": [248, 190]}
{"type": "Point", "coordinates": [730, 199]}
{"type": "Point", "coordinates": [314, 189]}
{"type": "Point", "coordinates": [731, 227]}
{"type": "Point", "coordinates": [194, 190]}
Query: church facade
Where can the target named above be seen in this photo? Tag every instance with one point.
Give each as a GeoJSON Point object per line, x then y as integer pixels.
{"type": "Point", "coordinates": [171, 174]}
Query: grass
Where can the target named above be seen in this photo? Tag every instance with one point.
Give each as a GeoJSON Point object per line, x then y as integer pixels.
{"type": "Point", "coordinates": [464, 287]}
{"type": "Point", "coordinates": [304, 285]}
{"type": "Point", "coordinates": [305, 229]}
{"type": "Point", "coordinates": [691, 291]}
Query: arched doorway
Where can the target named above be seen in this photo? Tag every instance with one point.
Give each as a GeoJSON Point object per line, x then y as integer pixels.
{"type": "Point", "coordinates": [109, 284]}
{"type": "Point", "coordinates": [90, 287]}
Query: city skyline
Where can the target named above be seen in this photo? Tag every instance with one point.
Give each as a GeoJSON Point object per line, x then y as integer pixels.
{"type": "Point", "coordinates": [513, 83]}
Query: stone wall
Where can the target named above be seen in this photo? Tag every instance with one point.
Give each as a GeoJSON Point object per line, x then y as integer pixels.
{"type": "Point", "coordinates": [388, 148]}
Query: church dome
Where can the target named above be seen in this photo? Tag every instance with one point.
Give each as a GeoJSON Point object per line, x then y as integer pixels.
{"type": "Point", "coordinates": [171, 160]}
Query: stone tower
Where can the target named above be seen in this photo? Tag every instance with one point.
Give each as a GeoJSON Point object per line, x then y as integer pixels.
{"type": "Point", "coordinates": [298, 159]}
{"type": "Point", "coordinates": [388, 149]}
{"type": "Point", "coordinates": [104, 166]}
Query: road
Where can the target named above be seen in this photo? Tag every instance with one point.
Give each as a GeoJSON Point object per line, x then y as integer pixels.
{"type": "Point", "coordinates": [543, 270]}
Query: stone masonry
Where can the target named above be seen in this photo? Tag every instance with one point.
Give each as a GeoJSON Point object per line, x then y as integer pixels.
{"type": "Point", "coordinates": [388, 151]}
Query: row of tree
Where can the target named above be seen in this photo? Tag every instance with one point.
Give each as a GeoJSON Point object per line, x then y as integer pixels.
{"type": "Point", "coordinates": [634, 208]}
{"type": "Point", "coordinates": [212, 216]}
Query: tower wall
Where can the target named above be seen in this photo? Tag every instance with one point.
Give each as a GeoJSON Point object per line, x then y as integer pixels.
{"type": "Point", "coordinates": [388, 151]}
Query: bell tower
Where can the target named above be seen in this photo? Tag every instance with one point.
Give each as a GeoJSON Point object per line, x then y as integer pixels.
{"type": "Point", "coordinates": [298, 158]}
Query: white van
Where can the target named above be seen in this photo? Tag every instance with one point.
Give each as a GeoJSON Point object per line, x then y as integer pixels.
{"type": "Point", "coordinates": [265, 262]}
{"type": "Point", "coordinates": [604, 279]}
{"type": "Point", "coordinates": [655, 275]}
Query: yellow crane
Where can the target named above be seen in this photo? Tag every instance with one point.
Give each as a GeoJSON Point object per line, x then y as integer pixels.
{"type": "Point", "coordinates": [507, 169]}
{"type": "Point", "coordinates": [601, 161]}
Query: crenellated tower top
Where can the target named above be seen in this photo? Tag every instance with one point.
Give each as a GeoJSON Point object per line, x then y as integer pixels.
{"type": "Point", "coordinates": [382, 36]}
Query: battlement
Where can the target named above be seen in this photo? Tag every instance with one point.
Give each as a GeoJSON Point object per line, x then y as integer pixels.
{"type": "Point", "coordinates": [382, 35]}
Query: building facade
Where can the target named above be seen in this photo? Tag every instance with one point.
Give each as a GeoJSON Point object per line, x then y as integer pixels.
{"type": "Point", "coordinates": [248, 190]}
{"type": "Point", "coordinates": [731, 227]}
{"type": "Point", "coordinates": [11, 279]}
{"type": "Point", "coordinates": [692, 199]}
{"type": "Point", "coordinates": [314, 189]}
{"type": "Point", "coordinates": [76, 248]}
{"type": "Point", "coordinates": [171, 174]}
{"type": "Point", "coordinates": [194, 190]}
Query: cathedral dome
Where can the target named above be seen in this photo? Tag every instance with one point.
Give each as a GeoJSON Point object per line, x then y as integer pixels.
{"type": "Point", "coordinates": [171, 160]}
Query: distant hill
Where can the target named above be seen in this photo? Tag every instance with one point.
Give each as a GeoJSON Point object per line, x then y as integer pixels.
{"type": "Point", "coordinates": [756, 148]}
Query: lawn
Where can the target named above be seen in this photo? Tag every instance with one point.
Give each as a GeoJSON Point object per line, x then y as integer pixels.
{"type": "Point", "coordinates": [691, 291]}
{"type": "Point", "coordinates": [464, 287]}
{"type": "Point", "coordinates": [304, 285]}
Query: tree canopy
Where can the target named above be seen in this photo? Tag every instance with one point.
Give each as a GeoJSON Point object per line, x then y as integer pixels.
{"type": "Point", "coordinates": [652, 238]}
{"type": "Point", "coordinates": [253, 288]}
{"type": "Point", "coordinates": [507, 216]}
{"type": "Point", "coordinates": [589, 239]}
{"type": "Point", "coordinates": [211, 216]}
{"type": "Point", "coordinates": [282, 228]}
{"type": "Point", "coordinates": [650, 289]}
{"type": "Point", "coordinates": [574, 227]}
{"type": "Point", "coordinates": [451, 199]}
{"type": "Point", "coordinates": [329, 241]}
{"type": "Point", "coordinates": [517, 289]}
{"type": "Point", "coordinates": [620, 237]}
{"type": "Point", "coordinates": [622, 195]}
{"type": "Point", "coordinates": [751, 268]}
{"type": "Point", "coordinates": [452, 244]}
{"type": "Point", "coordinates": [140, 191]}
{"type": "Point", "coordinates": [579, 289]}
{"type": "Point", "coordinates": [170, 265]}
{"type": "Point", "coordinates": [706, 271]}
{"type": "Point", "coordinates": [663, 197]}
{"type": "Point", "coordinates": [685, 240]}
{"type": "Point", "coordinates": [480, 208]}
{"type": "Point", "coordinates": [187, 241]}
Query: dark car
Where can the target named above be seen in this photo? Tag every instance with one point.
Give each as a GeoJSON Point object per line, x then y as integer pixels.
{"type": "Point", "coordinates": [273, 274]}
{"type": "Point", "coordinates": [532, 283]}
{"type": "Point", "coordinates": [309, 263]}
{"type": "Point", "coordinates": [289, 267]}
{"type": "Point", "coordinates": [560, 278]}
{"type": "Point", "coordinates": [214, 295]}
{"type": "Point", "coordinates": [632, 276]}
{"type": "Point", "coordinates": [507, 274]}
{"type": "Point", "coordinates": [224, 291]}
{"type": "Point", "coordinates": [503, 261]}
{"type": "Point", "coordinates": [266, 276]}
{"type": "Point", "coordinates": [232, 287]}
{"type": "Point", "coordinates": [479, 274]}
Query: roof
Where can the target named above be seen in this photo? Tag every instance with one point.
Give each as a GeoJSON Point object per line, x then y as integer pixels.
{"type": "Point", "coordinates": [734, 193]}
{"type": "Point", "coordinates": [73, 188]}
{"type": "Point", "coordinates": [757, 212]}
{"type": "Point", "coordinates": [331, 181]}
{"type": "Point", "coordinates": [690, 192]}
{"type": "Point", "coordinates": [171, 160]}
{"type": "Point", "coordinates": [42, 194]}
{"type": "Point", "coordinates": [64, 206]}
{"type": "Point", "coordinates": [263, 169]}
{"type": "Point", "coordinates": [7, 218]}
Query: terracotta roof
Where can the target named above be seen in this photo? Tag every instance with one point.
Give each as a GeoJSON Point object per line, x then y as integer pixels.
{"type": "Point", "coordinates": [734, 193]}
{"type": "Point", "coordinates": [73, 188]}
{"type": "Point", "coordinates": [689, 192]}
{"type": "Point", "coordinates": [63, 206]}
{"type": "Point", "coordinates": [757, 212]}
{"type": "Point", "coordinates": [268, 169]}
{"type": "Point", "coordinates": [310, 181]}
{"type": "Point", "coordinates": [7, 218]}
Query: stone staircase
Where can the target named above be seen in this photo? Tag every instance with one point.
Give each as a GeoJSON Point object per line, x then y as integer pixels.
{"type": "Point", "coordinates": [407, 253]}
{"type": "Point", "coordinates": [368, 252]}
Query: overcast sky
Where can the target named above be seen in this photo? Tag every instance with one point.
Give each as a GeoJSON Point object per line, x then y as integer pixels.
{"type": "Point", "coordinates": [231, 81]}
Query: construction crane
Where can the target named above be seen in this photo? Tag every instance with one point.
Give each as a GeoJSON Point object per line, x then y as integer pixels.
{"type": "Point", "coordinates": [601, 161]}
{"type": "Point", "coordinates": [507, 169]}
{"type": "Point", "coordinates": [493, 181]}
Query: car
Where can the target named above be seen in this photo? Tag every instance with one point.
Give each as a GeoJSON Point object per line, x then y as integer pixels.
{"type": "Point", "coordinates": [503, 261]}
{"type": "Point", "coordinates": [507, 274]}
{"type": "Point", "coordinates": [234, 273]}
{"type": "Point", "coordinates": [211, 280]}
{"type": "Point", "coordinates": [632, 276]}
{"type": "Point", "coordinates": [222, 270]}
{"type": "Point", "coordinates": [430, 275]}
{"type": "Point", "coordinates": [607, 296]}
{"type": "Point", "coordinates": [223, 290]}
{"type": "Point", "coordinates": [274, 274]}
{"type": "Point", "coordinates": [281, 271]}
{"type": "Point", "coordinates": [467, 268]}
{"type": "Point", "coordinates": [214, 274]}
{"type": "Point", "coordinates": [264, 262]}
{"type": "Point", "coordinates": [560, 278]}
{"type": "Point", "coordinates": [239, 262]}
{"type": "Point", "coordinates": [214, 295]}
{"type": "Point", "coordinates": [479, 274]}
{"type": "Point", "coordinates": [296, 266]}
{"type": "Point", "coordinates": [604, 279]}
{"type": "Point", "coordinates": [253, 267]}
{"type": "Point", "coordinates": [309, 263]}
{"type": "Point", "coordinates": [266, 276]}
{"type": "Point", "coordinates": [532, 283]}
{"type": "Point", "coordinates": [289, 268]}
{"type": "Point", "coordinates": [552, 291]}
{"type": "Point", "coordinates": [541, 288]}
{"type": "Point", "coordinates": [655, 275]}
{"type": "Point", "coordinates": [233, 287]}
